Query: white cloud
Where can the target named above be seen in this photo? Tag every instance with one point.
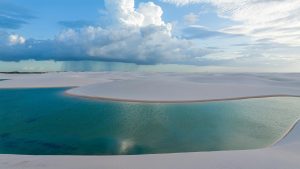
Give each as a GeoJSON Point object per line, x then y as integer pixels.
{"type": "Point", "coordinates": [136, 35]}
{"type": "Point", "coordinates": [123, 12]}
{"type": "Point", "coordinates": [191, 18]}
{"type": "Point", "coordinates": [272, 20]}
{"type": "Point", "coordinates": [140, 35]}
{"type": "Point", "coordinates": [152, 14]}
{"type": "Point", "coordinates": [15, 39]}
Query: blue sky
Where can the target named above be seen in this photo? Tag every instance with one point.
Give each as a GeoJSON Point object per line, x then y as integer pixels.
{"type": "Point", "coordinates": [199, 33]}
{"type": "Point", "coordinates": [47, 15]}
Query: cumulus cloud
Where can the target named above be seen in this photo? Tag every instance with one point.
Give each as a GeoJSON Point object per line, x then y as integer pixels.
{"type": "Point", "coordinates": [7, 39]}
{"type": "Point", "coordinates": [136, 35]}
{"type": "Point", "coordinates": [152, 14]}
{"type": "Point", "coordinates": [15, 39]}
{"type": "Point", "coordinates": [133, 34]}
{"type": "Point", "coordinates": [269, 20]}
{"type": "Point", "coordinates": [124, 13]}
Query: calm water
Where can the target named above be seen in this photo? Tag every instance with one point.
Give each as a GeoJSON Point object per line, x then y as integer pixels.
{"type": "Point", "coordinates": [44, 121]}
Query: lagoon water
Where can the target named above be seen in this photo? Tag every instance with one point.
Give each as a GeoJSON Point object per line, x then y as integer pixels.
{"type": "Point", "coordinates": [46, 122]}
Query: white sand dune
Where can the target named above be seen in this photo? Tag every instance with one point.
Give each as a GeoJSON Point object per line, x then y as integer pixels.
{"type": "Point", "coordinates": [166, 87]}
{"type": "Point", "coordinates": [163, 87]}
{"type": "Point", "coordinates": [66, 79]}
{"type": "Point", "coordinates": [178, 89]}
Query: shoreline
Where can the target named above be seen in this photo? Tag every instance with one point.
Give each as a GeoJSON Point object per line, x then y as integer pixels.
{"type": "Point", "coordinates": [286, 134]}
{"type": "Point", "coordinates": [67, 93]}
{"type": "Point", "coordinates": [67, 88]}
{"type": "Point", "coordinates": [177, 101]}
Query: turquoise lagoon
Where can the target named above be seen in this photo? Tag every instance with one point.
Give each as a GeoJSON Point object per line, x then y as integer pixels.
{"type": "Point", "coordinates": [47, 122]}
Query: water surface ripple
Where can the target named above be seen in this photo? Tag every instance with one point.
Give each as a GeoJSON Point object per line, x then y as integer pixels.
{"type": "Point", "coordinates": [44, 121]}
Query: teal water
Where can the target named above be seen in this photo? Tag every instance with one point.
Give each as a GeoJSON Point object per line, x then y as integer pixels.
{"type": "Point", "coordinates": [44, 121]}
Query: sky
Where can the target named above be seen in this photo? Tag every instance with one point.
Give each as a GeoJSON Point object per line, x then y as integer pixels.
{"type": "Point", "coordinates": [200, 35]}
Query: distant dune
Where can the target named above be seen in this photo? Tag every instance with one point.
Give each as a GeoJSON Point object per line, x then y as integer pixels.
{"type": "Point", "coordinates": [162, 87]}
